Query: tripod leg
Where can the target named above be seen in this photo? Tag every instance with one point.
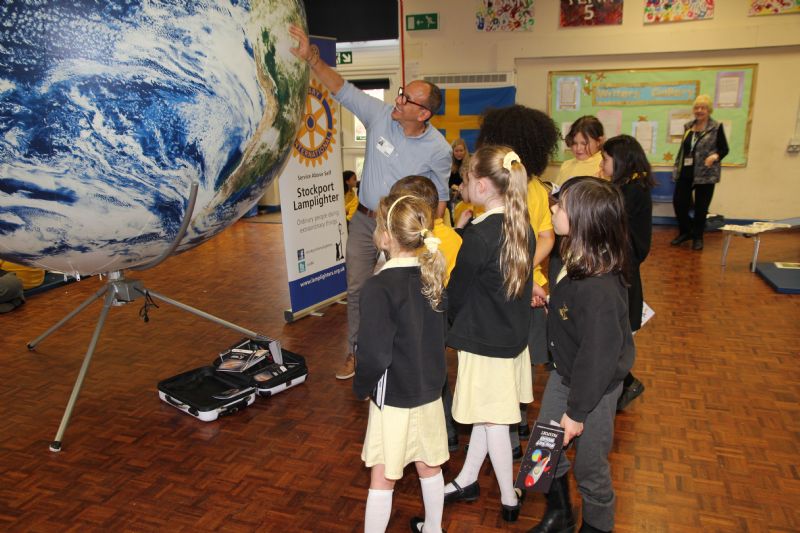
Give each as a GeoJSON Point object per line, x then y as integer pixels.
{"type": "Point", "coordinates": [251, 334]}
{"type": "Point", "coordinates": [55, 446]}
{"type": "Point", "coordinates": [90, 299]}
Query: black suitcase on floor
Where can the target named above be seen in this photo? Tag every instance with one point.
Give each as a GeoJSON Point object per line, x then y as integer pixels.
{"type": "Point", "coordinates": [206, 393]}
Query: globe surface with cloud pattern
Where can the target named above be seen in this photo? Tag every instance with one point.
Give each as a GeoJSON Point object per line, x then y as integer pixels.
{"type": "Point", "coordinates": [109, 111]}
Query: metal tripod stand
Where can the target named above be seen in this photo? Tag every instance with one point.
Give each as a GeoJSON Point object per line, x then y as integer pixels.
{"type": "Point", "coordinates": [120, 291]}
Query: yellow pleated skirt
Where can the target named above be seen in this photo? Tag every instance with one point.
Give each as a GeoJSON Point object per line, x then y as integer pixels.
{"type": "Point", "coordinates": [398, 436]}
{"type": "Point", "coordinates": [490, 389]}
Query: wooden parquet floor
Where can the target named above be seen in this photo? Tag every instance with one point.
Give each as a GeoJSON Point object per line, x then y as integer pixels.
{"type": "Point", "coordinates": [712, 445]}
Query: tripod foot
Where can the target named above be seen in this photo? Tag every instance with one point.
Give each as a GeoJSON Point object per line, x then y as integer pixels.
{"type": "Point", "coordinates": [31, 347]}
{"type": "Point", "coordinates": [55, 446]}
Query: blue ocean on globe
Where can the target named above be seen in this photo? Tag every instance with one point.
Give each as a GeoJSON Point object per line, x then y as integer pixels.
{"type": "Point", "coordinates": [110, 110]}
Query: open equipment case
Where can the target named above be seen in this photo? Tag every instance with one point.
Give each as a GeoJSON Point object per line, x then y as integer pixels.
{"type": "Point", "coordinates": [248, 368]}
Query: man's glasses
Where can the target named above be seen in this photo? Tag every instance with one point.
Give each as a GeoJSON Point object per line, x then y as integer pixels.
{"type": "Point", "coordinates": [405, 99]}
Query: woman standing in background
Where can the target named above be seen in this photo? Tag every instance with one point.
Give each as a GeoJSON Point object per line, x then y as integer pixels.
{"type": "Point", "coordinates": [697, 168]}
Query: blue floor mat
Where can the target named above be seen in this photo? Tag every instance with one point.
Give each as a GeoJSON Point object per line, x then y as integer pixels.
{"type": "Point", "coordinates": [783, 280]}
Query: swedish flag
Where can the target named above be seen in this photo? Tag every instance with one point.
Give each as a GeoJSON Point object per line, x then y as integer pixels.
{"type": "Point", "coordinates": [461, 109]}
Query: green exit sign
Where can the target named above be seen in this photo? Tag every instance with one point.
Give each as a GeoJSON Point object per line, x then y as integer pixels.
{"type": "Point", "coordinates": [422, 21]}
{"type": "Point", "coordinates": [344, 58]}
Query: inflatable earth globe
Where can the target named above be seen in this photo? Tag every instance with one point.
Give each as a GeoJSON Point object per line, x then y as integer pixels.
{"type": "Point", "coordinates": [110, 111]}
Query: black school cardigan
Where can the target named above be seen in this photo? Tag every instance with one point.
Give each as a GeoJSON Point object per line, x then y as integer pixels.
{"type": "Point", "coordinates": [482, 320]}
{"type": "Point", "coordinates": [400, 332]}
{"type": "Point", "coordinates": [589, 337]}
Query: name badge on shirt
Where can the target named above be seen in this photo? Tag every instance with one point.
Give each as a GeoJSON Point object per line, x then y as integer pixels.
{"type": "Point", "coordinates": [688, 161]}
{"type": "Point", "coordinates": [385, 146]}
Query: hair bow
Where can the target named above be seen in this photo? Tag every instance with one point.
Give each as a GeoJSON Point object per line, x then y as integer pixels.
{"type": "Point", "coordinates": [510, 157]}
{"type": "Point", "coordinates": [431, 243]}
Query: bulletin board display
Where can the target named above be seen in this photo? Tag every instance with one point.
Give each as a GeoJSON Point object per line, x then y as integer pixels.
{"type": "Point", "coordinates": [654, 104]}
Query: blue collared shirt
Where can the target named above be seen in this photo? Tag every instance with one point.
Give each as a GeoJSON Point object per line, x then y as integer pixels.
{"type": "Point", "coordinates": [390, 154]}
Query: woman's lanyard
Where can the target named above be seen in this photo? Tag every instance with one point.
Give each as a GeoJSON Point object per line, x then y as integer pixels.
{"type": "Point", "coordinates": [696, 136]}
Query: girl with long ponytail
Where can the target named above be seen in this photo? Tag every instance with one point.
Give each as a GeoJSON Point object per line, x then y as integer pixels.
{"type": "Point", "coordinates": [489, 297]}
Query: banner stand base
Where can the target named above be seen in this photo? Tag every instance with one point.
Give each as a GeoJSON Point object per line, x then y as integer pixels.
{"type": "Point", "coordinates": [290, 316]}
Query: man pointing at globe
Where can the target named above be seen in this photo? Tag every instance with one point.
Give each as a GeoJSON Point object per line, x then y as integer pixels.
{"type": "Point", "coordinates": [400, 142]}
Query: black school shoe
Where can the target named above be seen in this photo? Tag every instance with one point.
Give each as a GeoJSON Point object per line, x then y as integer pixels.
{"type": "Point", "coordinates": [680, 239]}
{"type": "Point", "coordinates": [516, 453]}
{"type": "Point", "coordinates": [452, 443]}
{"type": "Point", "coordinates": [469, 493]}
{"type": "Point", "coordinates": [697, 244]}
{"type": "Point", "coordinates": [511, 512]}
{"type": "Point", "coordinates": [629, 394]}
{"type": "Point", "coordinates": [589, 528]}
{"type": "Point", "coordinates": [417, 523]}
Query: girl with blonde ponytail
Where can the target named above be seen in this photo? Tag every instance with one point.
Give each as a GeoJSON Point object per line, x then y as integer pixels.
{"type": "Point", "coordinates": [489, 309]}
{"type": "Point", "coordinates": [400, 361]}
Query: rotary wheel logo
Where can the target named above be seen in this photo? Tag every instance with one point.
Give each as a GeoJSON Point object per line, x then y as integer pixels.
{"type": "Point", "coordinates": [315, 138]}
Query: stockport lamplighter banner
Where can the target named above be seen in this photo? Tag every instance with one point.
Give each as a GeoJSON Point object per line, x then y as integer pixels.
{"type": "Point", "coordinates": [312, 202]}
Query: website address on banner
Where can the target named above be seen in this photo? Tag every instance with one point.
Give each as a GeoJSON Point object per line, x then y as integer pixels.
{"type": "Point", "coordinates": [321, 277]}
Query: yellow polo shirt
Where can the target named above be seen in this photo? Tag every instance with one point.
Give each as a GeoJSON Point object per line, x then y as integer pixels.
{"type": "Point", "coordinates": [541, 219]}
{"type": "Point", "coordinates": [451, 243]}
{"type": "Point", "coordinates": [573, 167]}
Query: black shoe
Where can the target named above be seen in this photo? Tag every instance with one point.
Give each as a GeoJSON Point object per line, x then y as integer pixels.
{"type": "Point", "coordinates": [417, 523]}
{"type": "Point", "coordinates": [516, 453]}
{"type": "Point", "coordinates": [680, 239]}
{"type": "Point", "coordinates": [697, 244]}
{"type": "Point", "coordinates": [629, 394]}
{"type": "Point", "coordinates": [588, 528]}
{"type": "Point", "coordinates": [511, 512]}
{"type": "Point", "coordinates": [469, 493]}
{"type": "Point", "coordinates": [558, 517]}
{"type": "Point", "coordinates": [452, 443]}
{"type": "Point", "coordinates": [524, 431]}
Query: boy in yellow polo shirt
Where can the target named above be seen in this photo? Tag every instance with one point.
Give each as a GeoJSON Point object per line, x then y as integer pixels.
{"type": "Point", "coordinates": [424, 188]}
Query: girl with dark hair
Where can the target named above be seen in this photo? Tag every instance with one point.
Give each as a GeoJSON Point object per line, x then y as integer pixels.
{"type": "Point", "coordinates": [592, 347]}
{"type": "Point", "coordinates": [490, 293]}
{"type": "Point", "coordinates": [584, 139]}
{"type": "Point", "coordinates": [402, 370]}
{"type": "Point", "coordinates": [626, 165]}
{"type": "Point", "coordinates": [350, 193]}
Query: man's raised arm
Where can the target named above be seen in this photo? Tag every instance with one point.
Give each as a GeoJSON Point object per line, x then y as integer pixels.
{"type": "Point", "coordinates": [328, 76]}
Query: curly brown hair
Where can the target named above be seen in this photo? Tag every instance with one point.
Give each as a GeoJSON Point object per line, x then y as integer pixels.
{"type": "Point", "coordinates": [531, 133]}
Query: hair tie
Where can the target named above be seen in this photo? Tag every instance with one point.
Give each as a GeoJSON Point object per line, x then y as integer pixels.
{"type": "Point", "coordinates": [431, 242]}
{"type": "Point", "coordinates": [510, 157]}
{"type": "Point", "coordinates": [389, 213]}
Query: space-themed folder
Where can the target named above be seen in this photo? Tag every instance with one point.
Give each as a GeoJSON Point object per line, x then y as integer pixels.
{"type": "Point", "coordinates": [538, 467]}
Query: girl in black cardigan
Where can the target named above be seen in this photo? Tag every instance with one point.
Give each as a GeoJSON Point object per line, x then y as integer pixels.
{"type": "Point", "coordinates": [489, 309]}
{"type": "Point", "coordinates": [400, 359]}
{"type": "Point", "coordinates": [590, 340]}
{"type": "Point", "coordinates": [626, 165]}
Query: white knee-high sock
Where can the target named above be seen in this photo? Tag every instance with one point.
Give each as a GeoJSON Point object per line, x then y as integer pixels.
{"type": "Point", "coordinates": [379, 509]}
{"type": "Point", "coordinates": [475, 456]}
{"type": "Point", "coordinates": [499, 445]}
{"type": "Point", "coordinates": [433, 497]}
